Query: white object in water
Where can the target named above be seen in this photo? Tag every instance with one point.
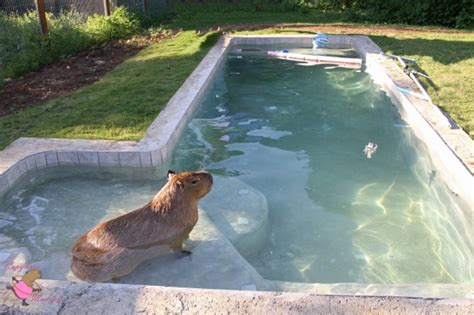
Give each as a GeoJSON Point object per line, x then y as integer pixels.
{"type": "Point", "coordinates": [370, 149]}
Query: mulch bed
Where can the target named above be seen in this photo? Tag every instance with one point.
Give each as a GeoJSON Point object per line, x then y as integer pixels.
{"type": "Point", "coordinates": [68, 74]}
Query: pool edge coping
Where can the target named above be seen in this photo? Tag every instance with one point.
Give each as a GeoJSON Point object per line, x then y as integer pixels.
{"type": "Point", "coordinates": [156, 146]}
{"type": "Point", "coordinates": [66, 297]}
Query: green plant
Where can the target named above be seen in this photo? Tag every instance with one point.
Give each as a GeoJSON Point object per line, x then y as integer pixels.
{"type": "Point", "coordinates": [121, 23]}
{"type": "Point", "coordinates": [23, 48]}
{"type": "Point", "coordinates": [67, 34]}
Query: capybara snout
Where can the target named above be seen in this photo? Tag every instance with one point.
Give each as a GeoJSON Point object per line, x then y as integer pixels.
{"type": "Point", "coordinates": [199, 183]}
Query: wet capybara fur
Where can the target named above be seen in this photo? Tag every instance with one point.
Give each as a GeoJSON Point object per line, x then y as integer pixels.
{"type": "Point", "coordinates": [116, 247]}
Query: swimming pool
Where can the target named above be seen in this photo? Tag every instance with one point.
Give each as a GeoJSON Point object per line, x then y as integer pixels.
{"type": "Point", "coordinates": [297, 133]}
{"type": "Point", "coordinates": [296, 195]}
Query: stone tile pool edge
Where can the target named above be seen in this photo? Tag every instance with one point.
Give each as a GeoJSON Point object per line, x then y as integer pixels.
{"type": "Point", "coordinates": [60, 297]}
{"type": "Point", "coordinates": [28, 154]}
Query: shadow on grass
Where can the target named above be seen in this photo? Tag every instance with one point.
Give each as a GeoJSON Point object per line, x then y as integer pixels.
{"type": "Point", "coordinates": [443, 51]}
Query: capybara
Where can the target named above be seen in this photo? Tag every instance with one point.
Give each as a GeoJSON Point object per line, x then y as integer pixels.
{"type": "Point", "coordinates": [116, 247]}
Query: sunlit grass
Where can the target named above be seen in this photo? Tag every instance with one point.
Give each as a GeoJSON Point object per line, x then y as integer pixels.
{"type": "Point", "coordinates": [449, 61]}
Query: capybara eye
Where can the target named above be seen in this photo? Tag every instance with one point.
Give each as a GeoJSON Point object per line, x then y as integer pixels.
{"type": "Point", "coordinates": [194, 181]}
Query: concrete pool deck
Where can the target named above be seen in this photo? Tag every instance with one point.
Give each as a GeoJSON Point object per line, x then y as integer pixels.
{"type": "Point", "coordinates": [61, 297]}
{"type": "Point", "coordinates": [452, 150]}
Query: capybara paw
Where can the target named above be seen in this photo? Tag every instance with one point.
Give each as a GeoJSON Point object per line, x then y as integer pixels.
{"type": "Point", "coordinates": [186, 252]}
{"type": "Point", "coordinates": [24, 303]}
{"type": "Point", "coordinates": [9, 287]}
{"type": "Point", "coordinates": [37, 290]}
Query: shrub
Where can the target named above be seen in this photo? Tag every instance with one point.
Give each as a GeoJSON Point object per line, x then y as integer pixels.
{"type": "Point", "coordinates": [23, 48]}
{"type": "Point", "coordinates": [121, 23]}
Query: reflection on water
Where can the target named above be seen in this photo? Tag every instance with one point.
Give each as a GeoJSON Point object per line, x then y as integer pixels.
{"type": "Point", "coordinates": [297, 134]}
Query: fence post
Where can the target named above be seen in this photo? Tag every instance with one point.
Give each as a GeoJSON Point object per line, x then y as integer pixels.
{"type": "Point", "coordinates": [42, 16]}
{"type": "Point", "coordinates": [106, 7]}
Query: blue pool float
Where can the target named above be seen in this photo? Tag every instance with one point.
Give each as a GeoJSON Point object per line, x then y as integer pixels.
{"type": "Point", "coordinates": [320, 40]}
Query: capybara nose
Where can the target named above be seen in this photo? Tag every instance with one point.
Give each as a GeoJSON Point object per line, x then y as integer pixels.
{"type": "Point", "coordinates": [207, 175]}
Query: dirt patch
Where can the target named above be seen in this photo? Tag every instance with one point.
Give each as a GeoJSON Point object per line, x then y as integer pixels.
{"type": "Point", "coordinates": [69, 74]}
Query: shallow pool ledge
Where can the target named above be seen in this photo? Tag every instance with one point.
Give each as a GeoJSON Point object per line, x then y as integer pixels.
{"type": "Point", "coordinates": [67, 298]}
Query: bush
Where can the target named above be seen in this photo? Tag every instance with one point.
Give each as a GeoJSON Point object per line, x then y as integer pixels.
{"type": "Point", "coordinates": [120, 24]}
{"type": "Point", "coordinates": [23, 47]}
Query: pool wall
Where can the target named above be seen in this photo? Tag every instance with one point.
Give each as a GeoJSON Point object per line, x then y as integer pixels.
{"type": "Point", "coordinates": [454, 160]}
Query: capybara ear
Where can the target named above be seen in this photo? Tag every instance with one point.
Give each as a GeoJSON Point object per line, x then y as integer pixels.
{"type": "Point", "coordinates": [170, 174]}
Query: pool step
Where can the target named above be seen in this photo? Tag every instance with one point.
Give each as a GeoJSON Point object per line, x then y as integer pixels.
{"type": "Point", "coordinates": [214, 263]}
{"type": "Point", "coordinates": [239, 211]}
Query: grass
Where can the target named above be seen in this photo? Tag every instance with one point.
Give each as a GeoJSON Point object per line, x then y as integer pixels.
{"type": "Point", "coordinates": [201, 19]}
{"type": "Point", "coordinates": [449, 61]}
{"type": "Point", "coordinates": [122, 105]}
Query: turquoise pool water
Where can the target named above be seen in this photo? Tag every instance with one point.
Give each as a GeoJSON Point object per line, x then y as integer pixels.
{"type": "Point", "coordinates": [296, 134]}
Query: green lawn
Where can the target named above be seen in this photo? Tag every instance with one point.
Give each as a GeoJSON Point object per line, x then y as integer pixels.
{"type": "Point", "coordinates": [449, 61]}
{"type": "Point", "coordinates": [122, 105]}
